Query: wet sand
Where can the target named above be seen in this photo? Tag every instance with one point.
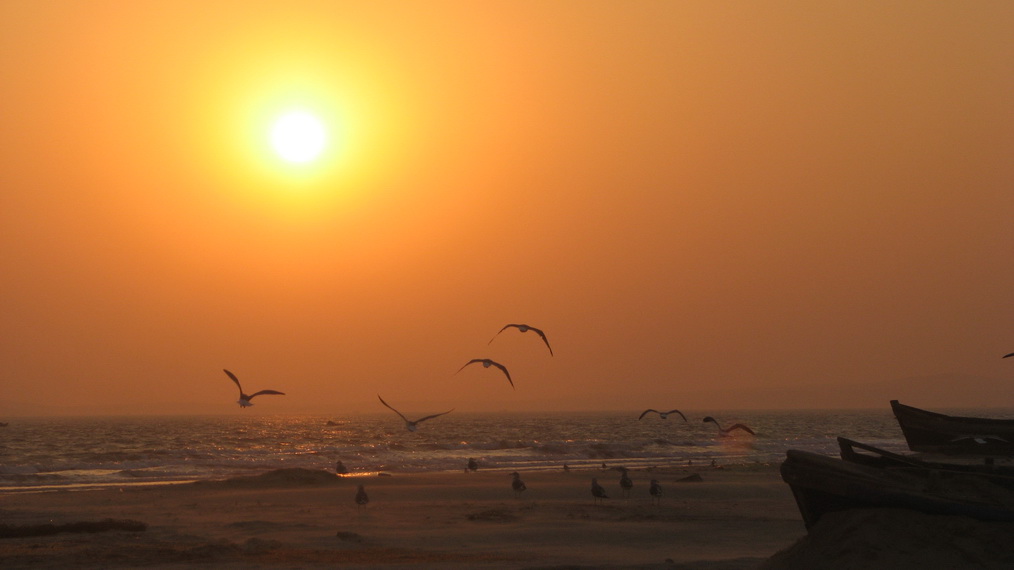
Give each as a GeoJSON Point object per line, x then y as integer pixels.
{"type": "Point", "coordinates": [734, 518]}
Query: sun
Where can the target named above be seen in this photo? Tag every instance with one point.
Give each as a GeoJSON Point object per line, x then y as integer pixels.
{"type": "Point", "coordinates": [298, 137]}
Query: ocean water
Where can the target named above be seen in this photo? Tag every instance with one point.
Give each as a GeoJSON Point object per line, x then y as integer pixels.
{"type": "Point", "coordinates": [38, 454]}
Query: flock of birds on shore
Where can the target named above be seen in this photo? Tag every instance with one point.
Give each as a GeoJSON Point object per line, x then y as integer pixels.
{"type": "Point", "coordinates": [598, 491]}
{"type": "Point", "coordinates": [518, 486]}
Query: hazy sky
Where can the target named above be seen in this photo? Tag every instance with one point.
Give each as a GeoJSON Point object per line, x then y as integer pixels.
{"type": "Point", "coordinates": [705, 205]}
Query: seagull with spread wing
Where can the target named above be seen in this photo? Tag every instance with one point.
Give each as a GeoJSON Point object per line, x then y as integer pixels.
{"type": "Point", "coordinates": [244, 400]}
{"type": "Point", "coordinates": [663, 415]}
{"type": "Point", "coordinates": [412, 425]}
{"type": "Point", "coordinates": [525, 328]}
{"type": "Point", "coordinates": [726, 431]}
{"type": "Point", "coordinates": [486, 363]}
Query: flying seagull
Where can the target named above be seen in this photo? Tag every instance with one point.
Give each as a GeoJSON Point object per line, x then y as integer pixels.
{"type": "Point", "coordinates": [664, 415]}
{"type": "Point", "coordinates": [244, 400]}
{"type": "Point", "coordinates": [486, 363]}
{"type": "Point", "coordinates": [725, 431]}
{"type": "Point", "coordinates": [525, 328]}
{"type": "Point", "coordinates": [409, 424]}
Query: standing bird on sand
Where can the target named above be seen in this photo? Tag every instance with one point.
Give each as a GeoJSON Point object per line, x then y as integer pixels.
{"type": "Point", "coordinates": [525, 328]}
{"type": "Point", "coordinates": [655, 491]}
{"type": "Point", "coordinates": [411, 425]}
{"type": "Point", "coordinates": [663, 415]}
{"type": "Point", "coordinates": [626, 484]}
{"type": "Point", "coordinates": [473, 465]}
{"type": "Point", "coordinates": [244, 400]}
{"type": "Point", "coordinates": [598, 491]}
{"type": "Point", "coordinates": [361, 497]}
{"type": "Point", "coordinates": [486, 363]}
{"type": "Point", "coordinates": [517, 484]}
{"type": "Point", "coordinates": [726, 431]}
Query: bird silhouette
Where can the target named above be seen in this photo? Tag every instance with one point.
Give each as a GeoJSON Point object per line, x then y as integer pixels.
{"type": "Point", "coordinates": [411, 425]}
{"type": "Point", "coordinates": [525, 328]}
{"type": "Point", "coordinates": [655, 491]}
{"type": "Point", "coordinates": [626, 484]}
{"type": "Point", "coordinates": [244, 400]}
{"type": "Point", "coordinates": [361, 497]}
{"type": "Point", "coordinates": [726, 431]}
{"type": "Point", "coordinates": [598, 491]}
{"type": "Point", "coordinates": [486, 363]}
{"type": "Point", "coordinates": [663, 415]}
{"type": "Point", "coordinates": [517, 484]}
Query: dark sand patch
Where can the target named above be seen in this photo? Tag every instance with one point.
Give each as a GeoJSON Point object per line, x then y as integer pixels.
{"type": "Point", "coordinates": [899, 538]}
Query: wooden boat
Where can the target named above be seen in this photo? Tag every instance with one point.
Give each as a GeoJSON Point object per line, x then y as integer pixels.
{"type": "Point", "coordinates": [822, 484]}
{"type": "Point", "coordinates": [935, 432]}
{"type": "Point", "coordinates": [852, 451]}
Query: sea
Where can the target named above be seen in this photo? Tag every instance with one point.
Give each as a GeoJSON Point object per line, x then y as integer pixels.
{"type": "Point", "coordinates": [78, 453]}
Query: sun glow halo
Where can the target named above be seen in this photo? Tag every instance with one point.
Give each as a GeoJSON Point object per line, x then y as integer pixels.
{"type": "Point", "coordinates": [298, 137]}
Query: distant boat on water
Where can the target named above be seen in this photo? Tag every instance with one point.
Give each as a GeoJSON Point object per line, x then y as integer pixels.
{"type": "Point", "coordinates": [940, 433]}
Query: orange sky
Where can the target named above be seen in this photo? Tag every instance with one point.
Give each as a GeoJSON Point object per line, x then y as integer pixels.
{"type": "Point", "coordinates": [704, 205]}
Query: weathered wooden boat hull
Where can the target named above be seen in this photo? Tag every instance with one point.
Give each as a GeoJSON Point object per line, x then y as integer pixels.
{"type": "Point", "coordinates": [852, 451]}
{"type": "Point", "coordinates": [940, 433]}
{"type": "Point", "coordinates": [822, 484]}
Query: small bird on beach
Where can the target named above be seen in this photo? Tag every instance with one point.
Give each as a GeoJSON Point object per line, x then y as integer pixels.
{"type": "Point", "coordinates": [663, 415]}
{"type": "Point", "coordinates": [598, 491]}
{"type": "Point", "coordinates": [525, 328]}
{"type": "Point", "coordinates": [626, 484]}
{"type": "Point", "coordinates": [411, 425]}
{"type": "Point", "coordinates": [517, 484]}
{"type": "Point", "coordinates": [361, 497]}
{"type": "Point", "coordinates": [655, 491]}
{"type": "Point", "coordinates": [486, 363]}
{"type": "Point", "coordinates": [726, 431]}
{"type": "Point", "coordinates": [244, 400]}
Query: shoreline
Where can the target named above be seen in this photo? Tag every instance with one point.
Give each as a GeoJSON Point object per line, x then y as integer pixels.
{"type": "Point", "coordinates": [632, 465]}
{"type": "Point", "coordinates": [736, 518]}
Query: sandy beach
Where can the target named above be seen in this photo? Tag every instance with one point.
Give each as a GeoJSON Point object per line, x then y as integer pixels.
{"type": "Point", "coordinates": [734, 517]}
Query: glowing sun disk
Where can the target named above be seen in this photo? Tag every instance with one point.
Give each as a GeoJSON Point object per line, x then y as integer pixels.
{"type": "Point", "coordinates": [298, 136]}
